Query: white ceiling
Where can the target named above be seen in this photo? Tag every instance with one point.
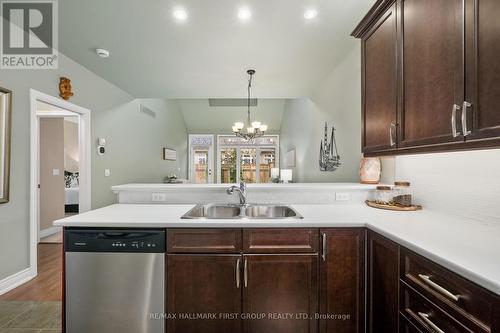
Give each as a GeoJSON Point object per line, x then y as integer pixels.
{"type": "Point", "coordinates": [200, 118]}
{"type": "Point", "coordinates": [152, 55]}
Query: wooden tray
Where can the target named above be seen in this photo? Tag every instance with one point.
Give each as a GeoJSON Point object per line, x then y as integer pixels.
{"type": "Point", "coordinates": [393, 207]}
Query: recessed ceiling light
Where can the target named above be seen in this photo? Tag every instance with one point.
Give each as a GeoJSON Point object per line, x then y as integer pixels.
{"type": "Point", "coordinates": [244, 14]}
{"type": "Point", "coordinates": [310, 14]}
{"type": "Point", "coordinates": [102, 53]}
{"type": "Point", "coordinates": [180, 14]}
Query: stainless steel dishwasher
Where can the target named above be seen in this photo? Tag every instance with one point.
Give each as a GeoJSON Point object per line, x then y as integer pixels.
{"type": "Point", "coordinates": [114, 280]}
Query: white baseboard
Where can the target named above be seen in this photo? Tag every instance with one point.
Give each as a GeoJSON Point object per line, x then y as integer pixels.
{"type": "Point", "coordinates": [49, 231]}
{"type": "Point", "coordinates": [16, 279]}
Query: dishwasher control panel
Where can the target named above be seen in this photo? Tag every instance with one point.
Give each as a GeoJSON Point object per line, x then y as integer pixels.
{"type": "Point", "coordinates": [114, 240]}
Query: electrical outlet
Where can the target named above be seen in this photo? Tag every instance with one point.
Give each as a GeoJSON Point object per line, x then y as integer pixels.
{"type": "Point", "coordinates": [159, 197]}
{"type": "Point", "coordinates": [107, 172]}
{"type": "Point", "coordinates": [342, 196]}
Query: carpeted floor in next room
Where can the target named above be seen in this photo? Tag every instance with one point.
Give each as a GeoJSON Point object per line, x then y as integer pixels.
{"type": "Point", "coordinates": [35, 307]}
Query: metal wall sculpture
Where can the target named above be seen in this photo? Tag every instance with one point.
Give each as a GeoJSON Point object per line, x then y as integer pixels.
{"type": "Point", "coordinates": [329, 159]}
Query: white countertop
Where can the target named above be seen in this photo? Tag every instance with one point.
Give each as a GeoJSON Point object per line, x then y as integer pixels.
{"type": "Point", "coordinates": [468, 248]}
{"type": "Point", "coordinates": [267, 186]}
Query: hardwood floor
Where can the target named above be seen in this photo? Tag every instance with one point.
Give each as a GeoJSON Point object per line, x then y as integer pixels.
{"type": "Point", "coordinates": [47, 286]}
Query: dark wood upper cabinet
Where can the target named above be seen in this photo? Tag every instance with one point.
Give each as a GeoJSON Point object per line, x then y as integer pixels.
{"type": "Point", "coordinates": [483, 68]}
{"type": "Point", "coordinates": [432, 71]}
{"type": "Point", "coordinates": [444, 54]}
{"type": "Point", "coordinates": [280, 284]}
{"type": "Point", "coordinates": [379, 81]}
{"type": "Point", "coordinates": [203, 284]}
{"type": "Point", "coordinates": [383, 284]}
{"type": "Point", "coordinates": [342, 280]}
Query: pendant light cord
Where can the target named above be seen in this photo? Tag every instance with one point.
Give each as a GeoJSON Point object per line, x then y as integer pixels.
{"type": "Point", "coordinates": [248, 100]}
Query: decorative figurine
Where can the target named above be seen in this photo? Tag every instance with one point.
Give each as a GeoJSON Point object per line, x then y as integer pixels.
{"type": "Point", "coordinates": [329, 159]}
{"type": "Point", "coordinates": [65, 88]}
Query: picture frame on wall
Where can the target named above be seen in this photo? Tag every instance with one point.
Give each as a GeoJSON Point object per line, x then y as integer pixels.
{"type": "Point", "coordinates": [5, 138]}
{"type": "Point", "coordinates": [169, 154]}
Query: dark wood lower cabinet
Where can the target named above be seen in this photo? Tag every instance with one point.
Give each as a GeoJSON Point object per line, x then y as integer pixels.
{"type": "Point", "coordinates": [203, 285]}
{"type": "Point", "coordinates": [383, 284]}
{"type": "Point", "coordinates": [342, 283]}
{"type": "Point", "coordinates": [280, 293]}
{"type": "Point", "coordinates": [320, 291]}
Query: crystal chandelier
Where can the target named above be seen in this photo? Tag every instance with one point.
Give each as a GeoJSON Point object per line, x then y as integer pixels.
{"type": "Point", "coordinates": [254, 129]}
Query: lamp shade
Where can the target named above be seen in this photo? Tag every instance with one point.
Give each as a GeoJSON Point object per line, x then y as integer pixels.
{"type": "Point", "coordinates": [286, 175]}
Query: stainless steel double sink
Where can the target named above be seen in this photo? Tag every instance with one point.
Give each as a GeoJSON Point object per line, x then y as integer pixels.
{"type": "Point", "coordinates": [229, 211]}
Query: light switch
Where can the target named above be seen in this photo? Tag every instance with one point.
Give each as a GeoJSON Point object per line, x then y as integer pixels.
{"type": "Point", "coordinates": [107, 172]}
{"type": "Point", "coordinates": [55, 172]}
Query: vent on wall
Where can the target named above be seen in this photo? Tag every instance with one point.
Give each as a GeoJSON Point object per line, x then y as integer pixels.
{"type": "Point", "coordinates": [214, 102]}
{"type": "Point", "coordinates": [147, 111]}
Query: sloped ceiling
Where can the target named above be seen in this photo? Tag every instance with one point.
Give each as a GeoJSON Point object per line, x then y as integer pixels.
{"type": "Point", "coordinates": [154, 56]}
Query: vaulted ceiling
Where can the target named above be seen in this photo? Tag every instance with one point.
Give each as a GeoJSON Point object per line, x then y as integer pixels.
{"type": "Point", "coordinates": [153, 55]}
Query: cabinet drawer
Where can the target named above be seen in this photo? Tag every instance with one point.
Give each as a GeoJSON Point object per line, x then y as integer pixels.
{"type": "Point", "coordinates": [422, 313]}
{"type": "Point", "coordinates": [280, 240]}
{"type": "Point", "coordinates": [203, 240]}
{"type": "Point", "coordinates": [466, 301]}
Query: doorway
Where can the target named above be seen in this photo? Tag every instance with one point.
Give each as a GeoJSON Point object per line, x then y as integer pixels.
{"type": "Point", "coordinates": [201, 158]}
{"type": "Point", "coordinates": [60, 167]}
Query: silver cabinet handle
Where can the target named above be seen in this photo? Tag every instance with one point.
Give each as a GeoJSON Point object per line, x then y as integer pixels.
{"type": "Point", "coordinates": [238, 273]}
{"type": "Point", "coordinates": [426, 317]}
{"type": "Point", "coordinates": [454, 120]}
{"type": "Point", "coordinates": [391, 134]}
{"type": "Point", "coordinates": [245, 273]}
{"type": "Point", "coordinates": [323, 247]}
{"type": "Point", "coordinates": [438, 288]}
{"type": "Point", "coordinates": [465, 107]}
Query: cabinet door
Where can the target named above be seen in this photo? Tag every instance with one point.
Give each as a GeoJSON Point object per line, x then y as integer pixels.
{"type": "Point", "coordinates": [202, 285]}
{"type": "Point", "coordinates": [483, 68]}
{"type": "Point", "coordinates": [379, 87]}
{"type": "Point", "coordinates": [383, 284]}
{"type": "Point", "coordinates": [280, 293]}
{"type": "Point", "coordinates": [342, 281]}
{"type": "Point", "coordinates": [432, 72]}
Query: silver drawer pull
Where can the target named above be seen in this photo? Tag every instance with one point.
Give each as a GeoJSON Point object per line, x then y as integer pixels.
{"type": "Point", "coordinates": [465, 107]}
{"type": "Point", "coordinates": [323, 254]}
{"type": "Point", "coordinates": [426, 317]}
{"type": "Point", "coordinates": [437, 287]}
{"type": "Point", "coordinates": [245, 273]}
{"type": "Point", "coordinates": [238, 273]}
{"type": "Point", "coordinates": [392, 129]}
{"type": "Point", "coordinates": [454, 120]}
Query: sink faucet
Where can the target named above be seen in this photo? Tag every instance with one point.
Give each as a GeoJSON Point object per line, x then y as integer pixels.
{"type": "Point", "coordinates": [242, 192]}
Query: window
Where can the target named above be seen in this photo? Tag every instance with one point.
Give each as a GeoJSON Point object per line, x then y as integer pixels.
{"type": "Point", "coordinates": [251, 162]}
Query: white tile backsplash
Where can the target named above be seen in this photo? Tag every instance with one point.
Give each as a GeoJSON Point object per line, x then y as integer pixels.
{"type": "Point", "coordinates": [465, 184]}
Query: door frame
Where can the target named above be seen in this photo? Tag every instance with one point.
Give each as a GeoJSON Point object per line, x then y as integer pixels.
{"type": "Point", "coordinates": [84, 133]}
{"type": "Point", "coordinates": [211, 148]}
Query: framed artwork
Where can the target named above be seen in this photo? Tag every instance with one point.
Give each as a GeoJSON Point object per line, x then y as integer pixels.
{"type": "Point", "coordinates": [169, 154]}
{"type": "Point", "coordinates": [5, 135]}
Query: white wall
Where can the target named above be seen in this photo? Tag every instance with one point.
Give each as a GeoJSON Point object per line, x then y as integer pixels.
{"type": "Point", "coordinates": [134, 145]}
{"type": "Point", "coordinates": [336, 100]}
{"type": "Point", "coordinates": [465, 184]}
{"type": "Point", "coordinates": [115, 115]}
